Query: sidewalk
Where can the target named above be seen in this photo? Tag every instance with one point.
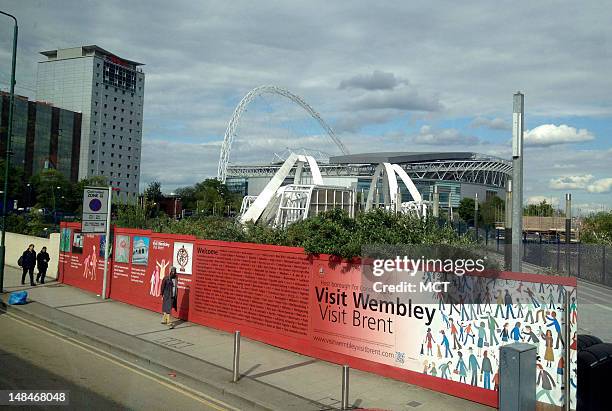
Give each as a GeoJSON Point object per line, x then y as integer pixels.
{"type": "Point", "coordinates": [272, 378]}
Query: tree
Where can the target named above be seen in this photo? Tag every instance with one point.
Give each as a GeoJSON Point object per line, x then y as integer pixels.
{"type": "Point", "coordinates": [597, 228]}
{"type": "Point", "coordinates": [53, 190]}
{"type": "Point", "coordinates": [16, 185]}
{"type": "Point", "coordinates": [492, 211]}
{"type": "Point", "coordinates": [466, 209]}
{"type": "Point", "coordinates": [153, 192]}
{"type": "Point", "coordinates": [543, 209]}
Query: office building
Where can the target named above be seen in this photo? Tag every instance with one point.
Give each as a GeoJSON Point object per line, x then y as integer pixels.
{"type": "Point", "coordinates": [44, 137]}
{"type": "Point", "coordinates": [108, 90]}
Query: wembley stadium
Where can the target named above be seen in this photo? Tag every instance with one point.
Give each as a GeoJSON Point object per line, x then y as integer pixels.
{"type": "Point", "coordinates": [456, 174]}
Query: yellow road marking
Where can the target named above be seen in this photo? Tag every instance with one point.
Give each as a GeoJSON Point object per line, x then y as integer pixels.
{"type": "Point", "coordinates": [168, 383]}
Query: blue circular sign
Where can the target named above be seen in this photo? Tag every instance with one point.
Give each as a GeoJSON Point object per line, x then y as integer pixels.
{"type": "Point", "coordinates": [95, 204]}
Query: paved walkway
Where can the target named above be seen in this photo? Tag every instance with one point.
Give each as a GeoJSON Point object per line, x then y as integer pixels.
{"type": "Point", "coordinates": [273, 378]}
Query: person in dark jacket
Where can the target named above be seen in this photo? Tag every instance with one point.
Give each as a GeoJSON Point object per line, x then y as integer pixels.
{"type": "Point", "coordinates": [42, 263]}
{"type": "Point", "coordinates": [169, 290]}
{"type": "Point", "coordinates": [28, 262]}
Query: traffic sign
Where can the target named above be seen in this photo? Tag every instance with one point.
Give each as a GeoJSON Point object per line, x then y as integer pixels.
{"type": "Point", "coordinates": [95, 209]}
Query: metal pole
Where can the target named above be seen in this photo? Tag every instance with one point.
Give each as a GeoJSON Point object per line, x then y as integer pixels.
{"type": "Point", "coordinates": [345, 388]}
{"type": "Point", "coordinates": [508, 227]}
{"type": "Point", "coordinates": [236, 364]}
{"type": "Point", "coordinates": [107, 243]}
{"type": "Point", "coordinates": [567, 369]}
{"type": "Point", "coordinates": [476, 217]}
{"type": "Point", "coordinates": [517, 178]}
{"type": "Point", "coordinates": [568, 230]}
{"type": "Point", "coordinates": [7, 159]}
{"type": "Point", "coordinates": [436, 202]}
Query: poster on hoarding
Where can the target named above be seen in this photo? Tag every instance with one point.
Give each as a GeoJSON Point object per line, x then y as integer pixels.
{"type": "Point", "coordinates": [183, 257]}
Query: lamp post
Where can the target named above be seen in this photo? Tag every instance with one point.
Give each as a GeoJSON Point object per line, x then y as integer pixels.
{"type": "Point", "coordinates": [476, 217]}
{"type": "Point", "coordinates": [8, 150]}
{"type": "Point", "coordinates": [518, 126]}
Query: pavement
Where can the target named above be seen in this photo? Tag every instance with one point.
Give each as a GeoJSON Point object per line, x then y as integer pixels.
{"type": "Point", "coordinates": [271, 378]}
{"type": "Point", "coordinates": [35, 358]}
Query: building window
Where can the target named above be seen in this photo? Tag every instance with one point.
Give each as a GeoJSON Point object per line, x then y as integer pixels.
{"type": "Point", "coordinates": [92, 161]}
{"type": "Point", "coordinates": [93, 151]}
{"type": "Point", "coordinates": [106, 87]}
{"type": "Point", "coordinates": [103, 144]}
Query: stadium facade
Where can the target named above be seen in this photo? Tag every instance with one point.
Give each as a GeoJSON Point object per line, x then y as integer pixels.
{"type": "Point", "coordinates": [456, 174]}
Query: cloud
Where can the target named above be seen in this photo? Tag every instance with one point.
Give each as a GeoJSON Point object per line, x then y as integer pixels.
{"type": "Point", "coordinates": [550, 134]}
{"type": "Point", "coordinates": [429, 136]}
{"type": "Point", "coordinates": [494, 124]}
{"type": "Point", "coordinates": [403, 98]}
{"type": "Point", "coordinates": [378, 80]}
{"type": "Point", "coordinates": [603, 185]}
{"type": "Point", "coordinates": [571, 182]}
{"type": "Point", "coordinates": [352, 122]}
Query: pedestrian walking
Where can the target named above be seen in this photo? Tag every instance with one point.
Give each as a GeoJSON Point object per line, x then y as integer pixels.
{"type": "Point", "coordinates": [169, 290]}
{"type": "Point", "coordinates": [28, 262]}
{"type": "Point", "coordinates": [42, 263]}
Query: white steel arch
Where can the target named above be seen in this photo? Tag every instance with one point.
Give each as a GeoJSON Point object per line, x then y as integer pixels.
{"type": "Point", "coordinates": [230, 132]}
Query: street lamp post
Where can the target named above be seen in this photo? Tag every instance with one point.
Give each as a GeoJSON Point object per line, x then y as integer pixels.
{"type": "Point", "coordinates": [8, 150]}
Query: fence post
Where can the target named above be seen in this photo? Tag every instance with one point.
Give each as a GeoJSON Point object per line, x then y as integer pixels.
{"type": "Point", "coordinates": [345, 388]}
{"type": "Point", "coordinates": [558, 253]}
{"type": "Point", "coordinates": [603, 264]}
{"type": "Point", "coordinates": [579, 252]}
{"type": "Point", "coordinates": [236, 364]}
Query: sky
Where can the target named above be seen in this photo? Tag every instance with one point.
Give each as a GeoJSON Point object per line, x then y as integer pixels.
{"type": "Point", "coordinates": [386, 76]}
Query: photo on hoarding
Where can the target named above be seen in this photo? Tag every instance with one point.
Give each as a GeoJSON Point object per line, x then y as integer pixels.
{"type": "Point", "coordinates": [77, 243]}
{"type": "Point", "coordinates": [65, 240]}
{"type": "Point", "coordinates": [103, 246]}
{"type": "Point", "coordinates": [140, 251]}
{"type": "Point", "coordinates": [183, 257]}
{"type": "Point", "coordinates": [122, 249]}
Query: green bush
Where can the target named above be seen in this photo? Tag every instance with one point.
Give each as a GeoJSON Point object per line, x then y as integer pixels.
{"type": "Point", "coordinates": [332, 232]}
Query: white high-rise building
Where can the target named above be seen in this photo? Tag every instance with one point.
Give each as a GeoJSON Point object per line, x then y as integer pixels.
{"type": "Point", "coordinates": [109, 92]}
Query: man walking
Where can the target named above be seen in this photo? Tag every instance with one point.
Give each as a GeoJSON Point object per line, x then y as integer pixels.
{"type": "Point", "coordinates": [42, 260]}
{"type": "Point", "coordinates": [28, 262]}
{"type": "Point", "coordinates": [169, 290]}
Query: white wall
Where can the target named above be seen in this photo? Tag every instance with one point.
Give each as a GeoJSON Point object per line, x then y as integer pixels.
{"type": "Point", "coordinates": [16, 244]}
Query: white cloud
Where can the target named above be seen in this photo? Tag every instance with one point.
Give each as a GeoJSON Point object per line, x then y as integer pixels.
{"type": "Point", "coordinates": [428, 135]}
{"type": "Point", "coordinates": [603, 185]}
{"type": "Point", "coordinates": [550, 134]}
{"type": "Point", "coordinates": [571, 182]}
{"type": "Point", "coordinates": [494, 124]}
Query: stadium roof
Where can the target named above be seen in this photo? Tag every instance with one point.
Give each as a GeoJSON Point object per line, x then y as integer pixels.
{"type": "Point", "coordinates": [399, 157]}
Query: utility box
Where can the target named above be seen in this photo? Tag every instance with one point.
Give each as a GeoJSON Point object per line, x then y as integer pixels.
{"type": "Point", "coordinates": [517, 377]}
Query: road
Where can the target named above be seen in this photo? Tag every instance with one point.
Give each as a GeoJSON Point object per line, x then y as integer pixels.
{"type": "Point", "coordinates": [594, 310]}
{"type": "Point", "coordinates": [32, 357]}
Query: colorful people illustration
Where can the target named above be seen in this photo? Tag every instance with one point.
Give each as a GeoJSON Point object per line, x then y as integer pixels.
{"type": "Point", "coordinates": [444, 370]}
{"type": "Point", "coordinates": [473, 366]}
{"type": "Point", "coordinates": [508, 303]}
{"type": "Point", "coordinates": [486, 369]}
{"type": "Point", "coordinates": [429, 341]}
{"type": "Point", "coordinates": [560, 368]}
{"type": "Point", "coordinates": [531, 336]}
{"type": "Point", "coordinates": [516, 332]}
{"type": "Point", "coordinates": [460, 368]}
{"type": "Point", "coordinates": [546, 382]}
{"type": "Point", "coordinates": [504, 334]}
{"type": "Point", "coordinates": [555, 323]}
{"type": "Point", "coordinates": [549, 355]}
{"type": "Point", "coordinates": [446, 345]}
{"type": "Point", "coordinates": [453, 328]}
{"type": "Point", "coordinates": [482, 335]}
{"type": "Point", "coordinates": [492, 323]}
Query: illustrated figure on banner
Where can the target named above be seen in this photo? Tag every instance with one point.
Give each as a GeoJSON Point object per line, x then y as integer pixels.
{"type": "Point", "coordinates": [157, 277]}
{"type": "Point", "coordinates": [506, 311]}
